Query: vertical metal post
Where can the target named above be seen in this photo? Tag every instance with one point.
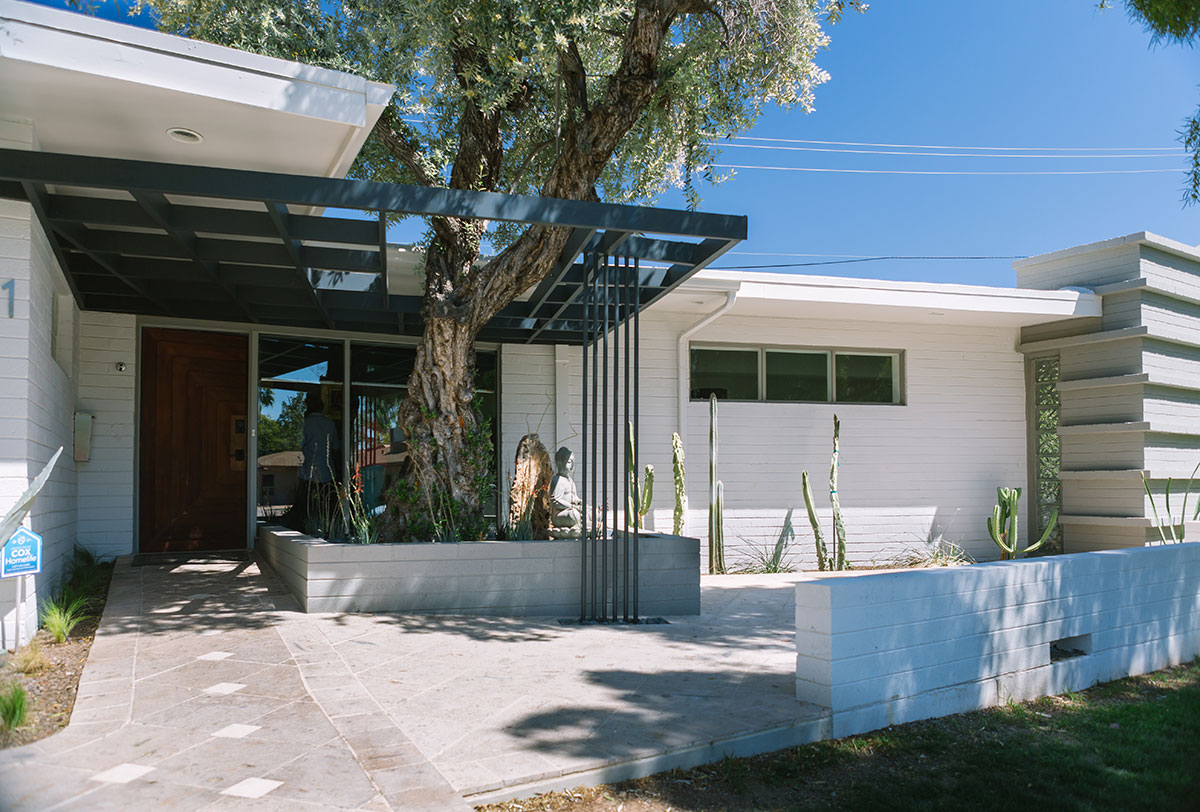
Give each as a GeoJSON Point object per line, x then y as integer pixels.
{"type": "Point", "coordinates": [637, 440]}
{"type": "Point", "coordinates": [595, 412]}
{"type": "Point", "coordinates": [583, 536]}
{"type": "Point", "coordinates": [617, 436]}
{"type": "Point", "coordinates": [630, 459]}
{"type": "Point", "coordinates": [604, 443]}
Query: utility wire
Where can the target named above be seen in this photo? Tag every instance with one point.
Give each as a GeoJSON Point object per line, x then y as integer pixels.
{"type": "Point", "coordinates": [858, 259]}
{"type": "Point", "coordinates": [723, 145]}
{"type": "Point", "coordinates": [944, 146]}
{"type": "Point", "coordinates": [947, 172]}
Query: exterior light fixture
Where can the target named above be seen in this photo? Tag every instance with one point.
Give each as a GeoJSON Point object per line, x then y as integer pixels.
{"type": "Point", "coordinates": [184, 135]}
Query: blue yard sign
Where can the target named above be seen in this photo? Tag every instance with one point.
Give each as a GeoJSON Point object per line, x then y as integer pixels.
{"type": "Point", "coordinates": [22, 554]}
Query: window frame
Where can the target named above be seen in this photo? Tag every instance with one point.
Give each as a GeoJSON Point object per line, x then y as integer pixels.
{"type": "Point", "coordinates": [899, 378]}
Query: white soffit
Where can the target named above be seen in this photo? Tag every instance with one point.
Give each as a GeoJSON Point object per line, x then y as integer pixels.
{"type": "Point", "coordinates": [97, 87]}
{"type": "Point", "coordinates": [829, 297]}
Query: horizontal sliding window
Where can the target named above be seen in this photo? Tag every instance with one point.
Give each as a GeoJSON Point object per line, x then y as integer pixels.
{"type": "Point", "coordinates": [794, 375]}
{"type": "Point", "coordinates": [728, 374]}
{"type": "Point", "coordinates": [801, 375]}
{"type": "Point", "coordinates": [866, 378]}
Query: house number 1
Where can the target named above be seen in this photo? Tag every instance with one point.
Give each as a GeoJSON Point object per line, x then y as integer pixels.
{"type": "Point", "coordinates": [11, 287]}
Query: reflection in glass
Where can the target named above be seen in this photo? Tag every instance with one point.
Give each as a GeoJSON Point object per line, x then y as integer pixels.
{"type": "Point", "coordinates": [379, 376]}
{"type": "Point", "coordinates": [728, 374]}
{"type": "Point", "coordinates": [300, 383]}
{"type": "Point", "coordinates": [797, 376]}
{"type": "Point", "coordinates": [865, 378]}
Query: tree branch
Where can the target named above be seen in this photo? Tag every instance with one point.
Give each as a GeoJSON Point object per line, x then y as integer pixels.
{"type": "Point", "coordinates": [398, 138]}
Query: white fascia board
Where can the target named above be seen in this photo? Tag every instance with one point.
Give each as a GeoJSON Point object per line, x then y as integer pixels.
{"type": "Point", "coordinates": [1053, 304]}
{"type": "Point", "coordinates": [76, 42]}
{"type": "Point", "coordinates": [1138, 238]}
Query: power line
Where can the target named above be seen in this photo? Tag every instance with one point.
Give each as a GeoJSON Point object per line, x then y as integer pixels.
{"type": "Point", "coordinates": [944, 146]}
{"type": "Point", "coordinates": [859, 259]}
{"type": "Point", "coordinates": [1178, 154]}
{"type": "Point", "coordinates": [947, 172]}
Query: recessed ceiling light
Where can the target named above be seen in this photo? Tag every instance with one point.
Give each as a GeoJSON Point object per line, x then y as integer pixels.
{"type": "Point", "coordinates": [185, 135]}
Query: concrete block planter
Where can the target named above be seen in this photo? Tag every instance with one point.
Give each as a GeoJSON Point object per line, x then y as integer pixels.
{"type": "Point", "coordinates": [504, 578]}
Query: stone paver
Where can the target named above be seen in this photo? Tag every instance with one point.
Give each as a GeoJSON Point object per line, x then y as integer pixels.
{"type": "Point", "coordinates": [206, 690]}
{"type": "Point", "coordinates": [497, 703]}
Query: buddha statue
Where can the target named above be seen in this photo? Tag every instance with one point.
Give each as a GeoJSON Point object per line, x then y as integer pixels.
{"type": "Point", "coordinates": [566, 508]}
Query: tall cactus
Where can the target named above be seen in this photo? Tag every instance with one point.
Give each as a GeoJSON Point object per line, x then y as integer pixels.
{"type": "Point", "coordinates": [716, 497]}
{"type": "Point", "coordinates": [822, 556]}
{"type": "Point", "coordinates": [639, 502]}
{"type": "Point", "coordinates": [1003, 525]}
{"type": "Point", "coordinates": [716, 541]}
{"type": "Point", "coordinates": [680, 516]}
{"type": "Point", "coordinates": [839, 526]}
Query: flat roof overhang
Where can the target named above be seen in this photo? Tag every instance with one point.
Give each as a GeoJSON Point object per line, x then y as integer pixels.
{"type": "Point", "coordinates": [802, 296]}
{"type": "Point", "coordinates": [231, 245]}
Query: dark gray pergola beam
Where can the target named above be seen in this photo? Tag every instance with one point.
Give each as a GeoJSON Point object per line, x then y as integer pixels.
{"type": "Point", "coordinates": [36, 196]}
{"type": "Point", "coordinates": [130, 243]}
{"type": "Point", "coordinates": [575, 243]}
{"type": "Point", "coordinates": [232, 184]}
{"type": "Point", "coordinates": [280, 218]}
{"type": "Point", "coordinates": [159, 208]}
{"type": "Point", "coordinates": [77, 236]}
{"type": "Point", "coordinates": [211, 219]}
{"type": "Point", "coordinates": [609, 242]}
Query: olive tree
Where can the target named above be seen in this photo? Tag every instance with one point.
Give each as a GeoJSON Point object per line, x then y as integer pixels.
{"type": "Point", "coordinates": [614, 100]}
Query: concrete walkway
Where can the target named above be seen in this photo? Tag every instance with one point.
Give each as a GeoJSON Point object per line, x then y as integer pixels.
{"type": "Point", "coordinates": [206, 689]}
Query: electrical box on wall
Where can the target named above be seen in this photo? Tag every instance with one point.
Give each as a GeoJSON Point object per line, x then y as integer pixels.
{"type": "Point", "coordinates": [83, 436]}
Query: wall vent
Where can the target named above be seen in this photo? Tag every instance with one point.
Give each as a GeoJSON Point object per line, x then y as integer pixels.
{"type": "Point", "coordinates": [1069, 647]}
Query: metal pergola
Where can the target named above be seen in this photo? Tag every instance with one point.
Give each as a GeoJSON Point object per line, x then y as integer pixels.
{"type": "Point", "coordinates": [215, 244]}
{"type": "Point", "coordinates": [225, 244]}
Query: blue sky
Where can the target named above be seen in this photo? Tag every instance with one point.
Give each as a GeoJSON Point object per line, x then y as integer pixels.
{"type": "Point", "coordinates": [1024, 73]}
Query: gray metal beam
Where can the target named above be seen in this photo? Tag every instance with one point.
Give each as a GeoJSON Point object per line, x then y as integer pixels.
{"type": "Point", "coordinates": [211, 220]}
{"type": "Point", "coordinates": [280, 217]}
{"type": "Point", "coordinates": [36, 196]}
{"type": "Point", "coordinates": [604, 245]}
{"type": "Point", "coordinates": [575, 243]}
{"type": "Point", "coordinates": [232, 184]}
{"type": "Point", "coordinates": [77, 237]}
{"type": "Point", "coordinates": [159, 208]}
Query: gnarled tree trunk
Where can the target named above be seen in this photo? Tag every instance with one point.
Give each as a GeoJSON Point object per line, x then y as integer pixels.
{"type": "Point", "coordinates": [460, 298]}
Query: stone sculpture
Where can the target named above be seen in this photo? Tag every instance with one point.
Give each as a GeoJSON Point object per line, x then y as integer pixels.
{"type": "Point", "coordinates": [566, 508]}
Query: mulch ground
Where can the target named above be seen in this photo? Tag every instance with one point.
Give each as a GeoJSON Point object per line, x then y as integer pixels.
{"type": "Point", "coordinates": [52, 689]}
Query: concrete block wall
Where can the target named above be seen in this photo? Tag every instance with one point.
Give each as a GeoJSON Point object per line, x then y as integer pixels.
{"type": "Point", "coordinates": [1130, 384]}
{"type": "Point", "coordinates": [888, 648]}
{"type": "Point", "coordinates": [503, 578]}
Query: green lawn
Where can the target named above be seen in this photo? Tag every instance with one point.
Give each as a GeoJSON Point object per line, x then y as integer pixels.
{"type": "Point", "coordinates": [1127, 745]}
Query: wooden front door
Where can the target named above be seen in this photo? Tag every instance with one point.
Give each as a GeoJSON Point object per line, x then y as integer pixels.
{"type": "Point", "coordinates": [194, 431]}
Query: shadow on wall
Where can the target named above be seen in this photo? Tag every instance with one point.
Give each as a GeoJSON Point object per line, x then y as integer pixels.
{"type": "Point", "coordinates": [917, 644]}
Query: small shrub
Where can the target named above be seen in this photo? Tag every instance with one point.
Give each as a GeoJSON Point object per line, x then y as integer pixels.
{"type": "Point", "coordinates": [14, 704]}
{"type": "Point", "coordinates": [62, 614]}
{"type": "Point", "coordinates": [936, 552]}
{"type": "Point", "coordinates": [30, 660]}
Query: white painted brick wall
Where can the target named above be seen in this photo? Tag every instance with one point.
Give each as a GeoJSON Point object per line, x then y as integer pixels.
{"type": "Point", "coordinates": [929, 466]}
{"type": "Point", "coordinates": [887, 648]}
{"type": "Point", "coordinates": [106, 487]}
{"type": "Point", "coordinates": [37, 407]}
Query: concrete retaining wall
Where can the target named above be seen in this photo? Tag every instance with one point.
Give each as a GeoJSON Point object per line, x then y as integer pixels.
{"type": "Point", "coordinates": [507, 578]}
{"type": "Point", "coordinates": [886, 648]}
